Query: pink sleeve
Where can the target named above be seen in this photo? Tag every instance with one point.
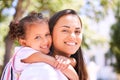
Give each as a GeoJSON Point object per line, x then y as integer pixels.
{"type": "Point", "coordinates": [22, 54]}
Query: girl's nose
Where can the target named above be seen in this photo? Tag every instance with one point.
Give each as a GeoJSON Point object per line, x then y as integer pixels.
{"type": "Point", "coordinates": [44, 41]}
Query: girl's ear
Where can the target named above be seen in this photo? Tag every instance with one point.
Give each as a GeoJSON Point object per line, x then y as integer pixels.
{"type": "Point", "coordinates": [22, 42]}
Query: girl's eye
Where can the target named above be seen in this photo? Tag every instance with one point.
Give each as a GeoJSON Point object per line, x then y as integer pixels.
{"type": "Point", "coordinates": [48, 34]}
{"type": "Point", "coordinates": [37, 37]}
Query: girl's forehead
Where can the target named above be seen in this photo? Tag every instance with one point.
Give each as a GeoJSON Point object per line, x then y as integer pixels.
{"type": "Point", "coordinates": [36, 26]}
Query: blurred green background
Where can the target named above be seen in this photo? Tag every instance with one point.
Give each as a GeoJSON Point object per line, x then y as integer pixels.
{"type": "Point", "coordinates": [97, 33]}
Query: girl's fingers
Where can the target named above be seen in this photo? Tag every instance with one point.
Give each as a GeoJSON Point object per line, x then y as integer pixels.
{"type": "Point", "coordinates": [63, 62]}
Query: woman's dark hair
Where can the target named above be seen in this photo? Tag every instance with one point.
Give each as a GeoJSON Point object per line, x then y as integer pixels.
{"type": "Point", "coordinates": [18, 28]}
{"type": "Point", "coordinates": [80, 66]}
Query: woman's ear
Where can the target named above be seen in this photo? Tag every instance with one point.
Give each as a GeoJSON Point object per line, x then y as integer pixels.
{"type": "Point", "coordinates": [22, 42]}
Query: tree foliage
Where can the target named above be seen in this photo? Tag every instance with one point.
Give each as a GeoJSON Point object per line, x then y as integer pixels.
{"type": "Point", "coordinates": [115, 39]}
{"type": "Point", "coordinates": [3, 5]}
{"type": "Point", "coordinates": [115, 44]}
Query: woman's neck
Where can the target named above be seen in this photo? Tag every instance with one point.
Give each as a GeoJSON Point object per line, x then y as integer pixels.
{"type": "Point", "coordinates": [60, 53]}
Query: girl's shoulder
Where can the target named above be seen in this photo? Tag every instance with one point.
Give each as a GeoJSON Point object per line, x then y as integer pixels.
{"type": "Point", "coordinates": [24, 52]}
{"type": "Point", "coordinates": [22, 49]}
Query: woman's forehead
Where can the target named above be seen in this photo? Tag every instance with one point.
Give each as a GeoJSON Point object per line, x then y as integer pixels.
{"type": "Point", "coordinates": [69, 20]}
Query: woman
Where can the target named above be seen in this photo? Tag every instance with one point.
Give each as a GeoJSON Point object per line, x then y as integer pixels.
{"type": "Point", "coordinates": [66, 30]}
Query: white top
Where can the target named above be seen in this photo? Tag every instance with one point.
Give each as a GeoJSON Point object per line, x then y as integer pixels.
{"type": "Point", "coordinates": [41, 71]}
{"type": "Point", "coordinates": [34, 71]}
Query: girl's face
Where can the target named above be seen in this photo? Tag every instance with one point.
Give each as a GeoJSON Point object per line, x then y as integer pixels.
{"type": "Point", "coordinates": [67, 35]}
{"type": "Point", "coordinates": [38, 37]}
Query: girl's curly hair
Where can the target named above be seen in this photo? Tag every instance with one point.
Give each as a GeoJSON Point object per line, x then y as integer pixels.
{"type": "Point", "coordinates": [17, 28]}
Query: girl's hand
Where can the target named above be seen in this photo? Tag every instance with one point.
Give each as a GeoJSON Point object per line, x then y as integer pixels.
{"type": "Point", "coordinates": [62, 62]}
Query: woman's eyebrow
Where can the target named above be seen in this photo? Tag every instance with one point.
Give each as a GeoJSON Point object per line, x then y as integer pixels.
{"type": "Point", "coordinates": [66, 26]}
{"type": "Point", "coordinates": [78, 28]}
{"type": "Point", "coordinates": [69, 27]}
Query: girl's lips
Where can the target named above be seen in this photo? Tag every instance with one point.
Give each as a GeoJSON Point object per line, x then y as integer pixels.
{"type": "Point", "coordinates": [44, 47]}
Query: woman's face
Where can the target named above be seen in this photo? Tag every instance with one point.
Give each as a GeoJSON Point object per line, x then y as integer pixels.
{"type": "Point", "coordinates": [67, 35]}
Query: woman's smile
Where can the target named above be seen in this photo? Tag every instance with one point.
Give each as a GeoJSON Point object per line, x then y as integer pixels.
{"type": "Point", "coordinates": [70, 43]}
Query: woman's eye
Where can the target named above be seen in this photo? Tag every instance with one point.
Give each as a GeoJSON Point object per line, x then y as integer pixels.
{"type": "Point", "coordinates": [37, 37]}
{"type": "Point", "coordinates": [64, 30]}
{"type": "Point", "coordinates": [77, 32]}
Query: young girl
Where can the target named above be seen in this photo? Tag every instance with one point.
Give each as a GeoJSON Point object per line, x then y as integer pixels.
{"type": "Point", "coordinates": [32, 33]}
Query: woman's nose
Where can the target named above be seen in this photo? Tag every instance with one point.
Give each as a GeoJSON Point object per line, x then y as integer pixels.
{"type": "Point", "coordinates": [72, 35]}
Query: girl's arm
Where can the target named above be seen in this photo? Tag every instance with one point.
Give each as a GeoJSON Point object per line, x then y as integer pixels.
{"type": "Point", "coordinates": [40, 57]}
{"type": "Point", "coordinates": [68, 71]}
